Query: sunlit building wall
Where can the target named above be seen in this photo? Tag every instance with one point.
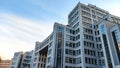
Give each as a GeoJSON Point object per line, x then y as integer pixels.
{"type": "Point", "coordinates": [109, 28]}
{"type": "Point", "coordinates": [22, 60]}
{"type": "Point", "coordinates": [27, 60]}
{"type": "Point", "coordinates": [74, 45]}
{"type": "Point", "coordinates": [16, 60]}
{"type": "Point", "coordinates": [89, 40]}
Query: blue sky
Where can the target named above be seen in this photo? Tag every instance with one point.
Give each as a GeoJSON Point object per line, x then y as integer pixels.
{"type": "Point", "coordinates": [22, 22]}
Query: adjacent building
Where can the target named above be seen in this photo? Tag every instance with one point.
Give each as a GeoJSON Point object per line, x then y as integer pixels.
{"type": "Point", "coordinates": [16, 60]}
{"type": "Point", "coordinates": [27, 59]}
{"type": "Point", "coordinates": [110, 35]}
{"type": "Point", "coordinates": [22, 60]}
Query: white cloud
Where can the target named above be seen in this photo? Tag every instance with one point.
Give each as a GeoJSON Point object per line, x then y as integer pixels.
{"type": "Point", "coordinates": [20, 34]}
{"type": "Point", "coordinates": [11, 45]}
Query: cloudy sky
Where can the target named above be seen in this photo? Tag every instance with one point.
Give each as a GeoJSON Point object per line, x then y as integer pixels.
{"type": "Point", "coordinates": [23, 22]}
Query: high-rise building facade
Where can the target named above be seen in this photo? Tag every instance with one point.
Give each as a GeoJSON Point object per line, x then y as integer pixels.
{"type": "Point", "coordinates": [27, 60]}
{"type": "Point", "coordinates": [89, 40]}
{"type": "Point", "coordinates": [22, 60]}
{"type": "Point", "coordinates": [16, 60]}
{"type": "Point", "coordinates": [76, 45]}
{"type": "Point", "coordinates": [109, 30]}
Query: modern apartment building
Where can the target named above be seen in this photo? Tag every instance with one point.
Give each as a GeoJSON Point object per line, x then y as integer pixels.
{"type": "Point", "coordinates": [76, 45]}
{"type": "Point", "coordinates": [89, 40]}
{"type": "Point", "coordinates": [27, 60]}
{"type": "Point", "coordinates": [16, 60]}
{"type": "Point", "coordinates": [22, 60]}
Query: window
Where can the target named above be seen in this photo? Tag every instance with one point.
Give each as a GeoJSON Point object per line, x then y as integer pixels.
{"type": "Point", "coordinates": [74, 20]}
{"type": "Point", "coordinates": [74, 61]}
{"type": "Point", "coordinates": [93, 11]}
{"type": "Point", "coordinates": [29, 57]}
{"type": "Point", "coordinates": [88, 44]}
{"type": "Point", "coordinates": [86, 60]}
{"type": "Point", "coordinates": [70, 52]}
{"type": "Point", "coordinates": [99, 39]}
{"type": "Point", "coordinates": [90, 61]}
{"type": "Point", "coordinates": [78, 52]}
{"type": "Point", "coordinates": [78, 60]}
{"type": "Point", "coordinates": [86, 19]}
{"type": "Point", "coordinates": [100, 14]}
{"type": "Point", "coordinates": [89, 52]}
{"type": "Point", "coordinates": [67, 52]}
{"type": "Point", "coordinates": [70, 60]}
{"type": "Point", "coordinates": [102, 28]}
{"type": "Point", "coordinates": [69, 44]}
{"type": "Point", "coordinates": [88, 31]}
{"type": "Point", "coordinates": [76, 25]}
{"type": "Point", "coordinates": [73, 52]}
{"type": "Point", "coordinates": [85, 8]}
{"type": "Point", "coordinates": [87, 24]}
{"type": "Point", "coordinates": [77, 44]}
{"type": "Point", "coordinates": [86, 14]}
{"type": "Point", "coordinates": [77, 31]}
{"type": "Point", "coordinates": [67, 59]}
{"type": "Point", "coordinates": [60, 28]}
{"type": "Point", "coordinates": [88, 37]}
{"type": "Point", "coordinates": [117, 36]}
{"type": "Point", "coordinates": [94, 16]}
{"type": "Point", "coordinates": [77, 37]}
{"type": "Point", "coordinates": [101, 54]}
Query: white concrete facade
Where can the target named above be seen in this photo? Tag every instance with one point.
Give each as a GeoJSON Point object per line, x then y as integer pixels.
{"type": "Point", "coordinates": [73, 45]}
{"type": "Point", "coordinates": [16, 60]}
{"type": "Point", "coordinates": [87, 41]}
{"type": "Point", "coordinates": [109, 28]}
{"type": "Point", "coordinates": [27, 59]}
{"type": "Point", "coordinates": [22, 60]}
